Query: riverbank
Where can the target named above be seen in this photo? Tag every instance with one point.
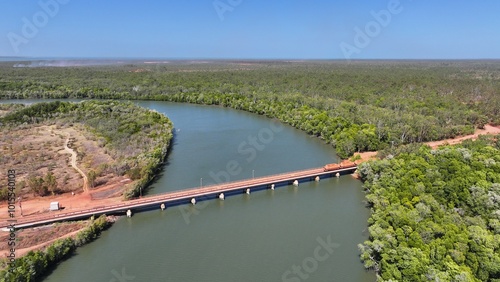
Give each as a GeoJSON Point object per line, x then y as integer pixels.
{"type": "Point", "coordinates": [372, 153]}
{"type": "Point", "coordinates": [34, 239]}
{"type": "Point", "coordinates": [39, 259]}
{"type": "Point", "coordinates": [212, 234]}
{"type": "Point", "coordinates": [116, 147]}
{"type": "Point", "coordinates": [38, 206]}
{"type": "Point", "coordinates": [357, 107]}
{"type": "Point", "coordinates": [389, 103]}
{"type": "Point", "coordinates": [434, 213]}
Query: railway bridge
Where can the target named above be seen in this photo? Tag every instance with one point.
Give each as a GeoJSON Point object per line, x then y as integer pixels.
{"type": "Point", "coordinates": [191, 196]}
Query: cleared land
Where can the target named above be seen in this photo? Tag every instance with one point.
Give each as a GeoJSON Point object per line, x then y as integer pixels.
{"type": "Point", "coordinates": [68, 153]}
{"type": "Point", "coordinates": [40, 149]}
{"type": "Point", "coordinates": [37, 238]}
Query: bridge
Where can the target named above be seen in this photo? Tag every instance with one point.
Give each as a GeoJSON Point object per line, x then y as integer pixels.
{"type": "Point", "coordinates": [188, 196]}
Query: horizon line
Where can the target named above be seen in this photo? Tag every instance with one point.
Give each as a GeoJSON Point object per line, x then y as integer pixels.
{"type": "Point", "coordinates": [242, 58]}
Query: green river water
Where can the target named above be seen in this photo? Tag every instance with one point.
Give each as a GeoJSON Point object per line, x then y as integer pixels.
{"type": "Point", "coordinates": [305, 233]}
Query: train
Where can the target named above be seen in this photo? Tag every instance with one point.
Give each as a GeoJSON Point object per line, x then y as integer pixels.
{"type": "Point", "coordinates": [342, 164]}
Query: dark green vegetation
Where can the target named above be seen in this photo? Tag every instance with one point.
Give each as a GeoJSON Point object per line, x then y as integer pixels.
{"type": "Point", "coordinates": [33, 265]}
{"type": "Point", "coordinates": [435, 213]}
{"type": "Point", "coordinates": [358, 106]}
{"type": "Point", "coordinates": [136, 138]}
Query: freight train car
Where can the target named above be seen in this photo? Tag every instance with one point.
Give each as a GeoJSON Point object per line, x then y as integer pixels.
{"type": "Point", "coordinates": [343, 164]}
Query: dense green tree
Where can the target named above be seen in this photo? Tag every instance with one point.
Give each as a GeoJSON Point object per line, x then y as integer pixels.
{"type": "Point", "coordinates": [50, 183]}
{"type": "Point", "coordinates": [92, 176]}
{"type": "Point", "coordinates": [36, 185]}
{"type": "Point", "coordinates": [355, 107]}
{"type": "Point", "coordinates": [434, 217]}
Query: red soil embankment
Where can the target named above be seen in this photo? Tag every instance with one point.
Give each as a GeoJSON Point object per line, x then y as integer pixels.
{"type": "Point", "coordinates": [488, 129]}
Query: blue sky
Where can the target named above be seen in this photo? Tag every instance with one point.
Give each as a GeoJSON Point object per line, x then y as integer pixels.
{"type": "Point", "coordinates": [292, 29]}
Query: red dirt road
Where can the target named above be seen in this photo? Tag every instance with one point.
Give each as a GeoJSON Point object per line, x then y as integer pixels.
{"type": "Point", "coordinates": [488, 129]}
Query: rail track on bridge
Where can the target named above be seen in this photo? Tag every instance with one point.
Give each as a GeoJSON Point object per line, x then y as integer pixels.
{"type": "Point", "coordinates": [181, 196]}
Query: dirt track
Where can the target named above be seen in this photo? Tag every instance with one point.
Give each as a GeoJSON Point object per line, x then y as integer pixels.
{"type": "Point", "coordinates": [37, 238]}
{"type": "Point", "coordinates": [488, 129]}
{"type": "Point", "coordinates": [73, 164]}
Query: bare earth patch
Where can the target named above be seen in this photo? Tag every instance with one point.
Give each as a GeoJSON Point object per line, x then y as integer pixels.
{"type": "Point", "coordinates": [35, 150]}
{"type": "Point", "coordinates": [39, 237]}
{"type": "Point", "coordinates": [488, 129]}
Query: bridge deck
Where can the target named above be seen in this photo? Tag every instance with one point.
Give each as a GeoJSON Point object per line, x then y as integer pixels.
{"type": "Point", "coordinates": [176, 196]}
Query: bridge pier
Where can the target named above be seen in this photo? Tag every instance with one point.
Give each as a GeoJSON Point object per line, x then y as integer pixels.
{"type": "Point", "coordinates": [221, 196]}
{"type": "Point", "coordinates": [175, 198]}
{"type": "Point", "coordinates": [162, 207]}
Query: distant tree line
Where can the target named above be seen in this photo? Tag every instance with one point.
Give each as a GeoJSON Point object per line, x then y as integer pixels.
{"type": "Point", "coordinates": [355, 107]}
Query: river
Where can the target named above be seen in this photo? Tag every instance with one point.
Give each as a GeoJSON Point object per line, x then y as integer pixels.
{"type": "Point", "coordinates": [305, 233]}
